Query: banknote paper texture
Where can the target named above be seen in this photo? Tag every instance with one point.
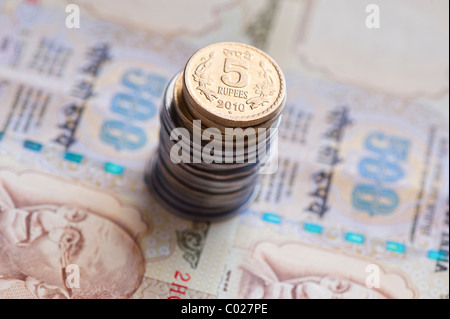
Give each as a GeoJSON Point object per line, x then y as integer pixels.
{"type": "Point", "coordinates": [360, 197]}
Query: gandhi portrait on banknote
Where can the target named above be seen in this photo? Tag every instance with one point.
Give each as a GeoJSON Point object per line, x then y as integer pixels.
{"type": "Point", "coordinates": [294, 270]}
{"type": "Point", "coordinates": [42, 232]}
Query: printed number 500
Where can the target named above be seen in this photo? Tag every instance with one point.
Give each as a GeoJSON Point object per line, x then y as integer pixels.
{"type": "Point", "coordinates": [135, 105]}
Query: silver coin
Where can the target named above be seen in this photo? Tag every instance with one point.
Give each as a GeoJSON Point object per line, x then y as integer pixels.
{"type": "Point", "coordinates": [206, 185]}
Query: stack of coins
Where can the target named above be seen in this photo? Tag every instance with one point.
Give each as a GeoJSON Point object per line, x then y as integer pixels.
{"type": "Point", "coordinates": [219, 119]}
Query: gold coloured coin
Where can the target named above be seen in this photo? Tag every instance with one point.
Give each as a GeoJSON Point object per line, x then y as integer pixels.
{"type": "Point", "coordinates": [234, 85]}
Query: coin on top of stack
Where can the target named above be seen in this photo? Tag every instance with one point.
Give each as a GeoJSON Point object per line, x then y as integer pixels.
{"type": "Point", "coordinates": [223, 86]}
{"type": "Point", "coordinates": [234, 85]}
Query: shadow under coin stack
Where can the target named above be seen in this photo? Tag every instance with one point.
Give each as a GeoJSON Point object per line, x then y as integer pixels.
{"type": "Point", "coordinates": [210, 168]}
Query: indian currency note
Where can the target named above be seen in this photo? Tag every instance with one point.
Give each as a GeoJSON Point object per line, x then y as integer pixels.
{"type": "Point", "coordinates": [93, 93]}
{"type": "Point", "coordinates": [406, 55]}
{"type": "Point", "coordinates": [296, 269]}
{"type": "Point", "coordinates": [199, 23]}
{"type": "Point", "coordinates": [304, 170]}
{"type": "Point", "coordinates": [90, 96]}
{"type": "Point", "coordinates": [60, 219]}
{"type": "Point", "coordinates": [362, 184]}
{"type": "Point", "coordinates": [94, 90]}
{"type": "Point", "coordinates": [274, 233]}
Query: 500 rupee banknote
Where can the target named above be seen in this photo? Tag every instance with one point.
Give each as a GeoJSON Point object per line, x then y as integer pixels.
{"type": "Point", "coordinates": [94, 90]}
{"type": "Point", "coordinates": [358, 206]}
{"type": "Point", "coordinates": [61, 219]}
